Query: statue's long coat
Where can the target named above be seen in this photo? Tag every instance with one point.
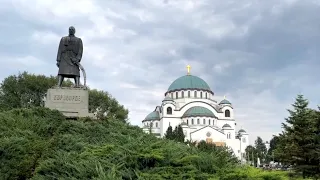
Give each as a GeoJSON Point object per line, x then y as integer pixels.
{"type": "Point", "coordinates": [70, 47]}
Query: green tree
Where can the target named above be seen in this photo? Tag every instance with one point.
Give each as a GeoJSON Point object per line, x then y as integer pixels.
{"type": "Point", "coordinates": [25, 90]}
{"type": "Point", "coordinates": [273, 145]}
{"type": "Point", "coordinates": [28, 90]}
{"type": "Point", "coordinates": [179, 135]}
{"type": "Point", "coordinates": [297, 143]}
{"type": "Point", "coordinates": [261, 149]}
{"type": "Point", "coordinates": [176, 135]}
{"type": "Point", "coordinates": [105, 106]}
{"type": "Point", "coordinates": [251, 155]}
{"type": "Point", "coordinates": [169, 133]}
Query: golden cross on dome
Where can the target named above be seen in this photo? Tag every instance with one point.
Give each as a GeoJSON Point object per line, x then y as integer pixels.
{"type": "Point", "coordinates": [188, 69]}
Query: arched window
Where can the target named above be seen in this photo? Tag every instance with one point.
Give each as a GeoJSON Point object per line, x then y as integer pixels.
{"type": "Point", "coordinates": [227, 113]}
{"type": "Point", "coordinates": [188, 121]}
{"type": "Point", "coordinates": [228, 136]}
{"type": "Point", "coordinates": [171, 95]}
{"type": "Point", "coordinates": [200, 94]}
{"type": "Point", "coordinates": [156, 124]}
{"type": "Point", "coordinates": [177, 95]}
{"type": "Point", "coordinates": [204, 121]}
{"type": "Point", "coordinates": [188, 94]}
{"type": "Point", "coordinates": [182, 94]}
{"type": "Point", "coordinates": [198, 121]}
{"type": "Point", "coordinates": [209, 122]}
{"type": "Point", "coordinates": [192, 121]}
{"type": "Point", "coordinates": [195, 94]}
{"type": "Point", "coordinates": [206, 95]}
{"type": "Point", "coordinates": [244, 140]}
{"type": "Point", "coordinates": [212, 122]}
{"type": "Point", "coordinates": [169, 110]}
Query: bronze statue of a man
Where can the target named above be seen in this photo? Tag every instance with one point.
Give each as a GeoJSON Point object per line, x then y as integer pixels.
{"type": "Point", "coordinates": [69, 56]}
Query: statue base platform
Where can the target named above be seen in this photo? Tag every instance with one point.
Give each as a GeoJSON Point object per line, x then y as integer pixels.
{"type": "Point", "coordinates": [72, 102]}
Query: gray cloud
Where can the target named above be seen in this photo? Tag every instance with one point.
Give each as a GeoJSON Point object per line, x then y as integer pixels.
{"type": "Point", "coordinates": [259, 54]}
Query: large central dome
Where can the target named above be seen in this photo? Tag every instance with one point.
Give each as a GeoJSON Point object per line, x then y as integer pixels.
{"type": "Point", "coordinates": [189, 82]}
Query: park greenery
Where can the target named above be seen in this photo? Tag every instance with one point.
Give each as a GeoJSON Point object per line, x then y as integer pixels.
{"type": "Point", "coordinates": [39, 143]}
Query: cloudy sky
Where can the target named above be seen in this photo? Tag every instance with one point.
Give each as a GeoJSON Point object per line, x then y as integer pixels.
{"type": "Point", "coordinates": [260, 54]}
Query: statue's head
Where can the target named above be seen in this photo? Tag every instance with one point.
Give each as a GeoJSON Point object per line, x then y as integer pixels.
{"type": "Point", "coordinates": [72, 30]}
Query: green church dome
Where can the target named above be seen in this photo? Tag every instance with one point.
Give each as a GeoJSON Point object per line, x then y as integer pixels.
{"type": "Point", "coordinates": [198, 111]}
{"type": "Point", "coordinates": [152, 116]}
{"type": "Point", "coordinates": [225, 102]}
{"type": "Point", "coordinates": [189, 82]}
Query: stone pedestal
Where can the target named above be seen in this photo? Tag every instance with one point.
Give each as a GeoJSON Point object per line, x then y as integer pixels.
{"type": "Point", "coordinates": [72, 102]}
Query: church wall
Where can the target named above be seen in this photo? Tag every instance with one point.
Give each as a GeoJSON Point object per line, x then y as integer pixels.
{"type": "Point", "coordinates": [223, 109]}
{"type": "Point", "coordinates": [216, 136]}
{"type": "Point", "coordinates": [188, 106]}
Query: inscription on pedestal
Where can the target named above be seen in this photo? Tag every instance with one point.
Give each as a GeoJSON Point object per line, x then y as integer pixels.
{"type": "Point", "coordinates": [66, 98]}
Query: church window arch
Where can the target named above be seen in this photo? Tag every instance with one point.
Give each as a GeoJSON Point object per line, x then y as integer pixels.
{"type": "Point", "coordinates": [156, 124]}
{"type": "Point", "coordinates": [209, 121]}
{"type": "Point", "coordinates": [182, 94]}
{"type": "Point", "coordinates": [206, 95]}
{"type": "Point", "coordinates": [171, 95]}
{"type": "Point", "coordinates": [195, 94]}
{"type": "Point", "coordinates": [200, 94]}
{"type": "Point", "coordinates": [204, 121]}
{"type": "Point", "coordinates": [244, 140]}
{"type": "Point", "coordinates": [189, 94]}
{"type": "Point", "coordinates": [198, 121]}
{"type": "Point", "coordinates": [228, 136]}
{"type": "Point", "coordinates": [227, 113]}
{"type": "Point", "coordinates": [177, 95]}
{"type": "Point", "coordinates": [192, 121]}
{"type": "Point", "coordinates": [188, 121]}
{"type": "Point", "coordinates": [169, 110]}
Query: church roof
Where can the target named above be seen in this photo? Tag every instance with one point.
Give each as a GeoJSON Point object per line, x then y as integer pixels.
{"type": "Point", "coordinates": [226, 126]}
{"type": "Point", "coordinates": [225, 102]}
{"type": "Point", "coordinates": [241, 131]}
{"type": "Point", "coordinates": [198, 111]}
{"type": "Point", "coordinates": [189, 82]}
{"type": "Point", "coordinates": [152, 116]}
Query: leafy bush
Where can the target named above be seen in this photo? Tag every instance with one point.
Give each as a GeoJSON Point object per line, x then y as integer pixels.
{"type": "Point", "coordinates": [38, 143]}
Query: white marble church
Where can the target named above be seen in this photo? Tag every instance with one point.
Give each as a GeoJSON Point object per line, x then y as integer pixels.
{"type": "Point", "coordinates": [190, 102]}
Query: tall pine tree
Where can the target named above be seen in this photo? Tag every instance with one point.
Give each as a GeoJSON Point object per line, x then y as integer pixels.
{"type": "Point", "coordinates": [169, 133]}
{"type": "Point", "coordinates": [297, 144]}
{"type": "Point", "coordinates": [179, 134]}
{"type": "Point", "coordinates": [261, 149]}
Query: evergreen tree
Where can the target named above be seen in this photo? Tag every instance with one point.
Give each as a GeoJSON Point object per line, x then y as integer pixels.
{"type": "Point", "coordinates": [273, 145]}
{"type": "Point", "coordinates": [261, 149]}
{"type": "Point", "coordinates": [169, 133]}
{"type": "Point", "coordinates": [297, 142]}
{"type": "Point", "coordinates": [179, 134]}
{"type": "Point", "coordinates": [176, 135]}
{"type": "Point", "coordinates": [251, 155]}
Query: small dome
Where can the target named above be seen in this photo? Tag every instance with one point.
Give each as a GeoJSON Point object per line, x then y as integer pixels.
{"type": "Point", "coordinates": [226, 126]}
{"type": "Point", "coordinates": [189, 82]}
{"type": "Point", "coordinates": [241, 131]}
{"type": "Point", "coordinates": [198, 111]}
{"type": "Point", "coordinates": [225, 102]}
{"type": "Point", "coordinates": [167, 99]}
{"type": "Point", "coordinates": [152, 116]}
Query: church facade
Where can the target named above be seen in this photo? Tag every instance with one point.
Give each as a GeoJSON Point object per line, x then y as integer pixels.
{"type": "Point", "coordinates": [190, 102]}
